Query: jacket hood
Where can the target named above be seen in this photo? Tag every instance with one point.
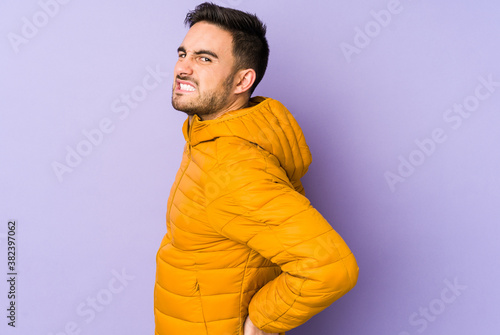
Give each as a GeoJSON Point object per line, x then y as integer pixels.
{"type": "Point", "coordinates": [267, 123]}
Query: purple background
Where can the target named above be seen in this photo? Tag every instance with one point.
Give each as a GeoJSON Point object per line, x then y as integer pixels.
{"type": "Point", "coordinates": [362, 114]}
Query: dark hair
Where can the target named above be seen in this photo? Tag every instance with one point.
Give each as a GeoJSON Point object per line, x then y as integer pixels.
{"type": "Point", "coordinates": [250, 48]}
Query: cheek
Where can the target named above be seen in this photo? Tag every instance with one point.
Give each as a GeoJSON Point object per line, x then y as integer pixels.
{"type": "Point", "coordinates": [215, 81]}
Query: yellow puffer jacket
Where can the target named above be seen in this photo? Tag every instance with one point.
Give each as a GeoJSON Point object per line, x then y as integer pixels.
{"type": "Point", "coordinates": [241, 236]}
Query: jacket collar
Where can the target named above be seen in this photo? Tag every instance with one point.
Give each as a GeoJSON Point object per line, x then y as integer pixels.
{"type": "Point", "coordinates": [265, 122]}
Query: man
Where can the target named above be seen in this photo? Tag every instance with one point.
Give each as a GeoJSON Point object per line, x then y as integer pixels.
{"type": "Point", "coordinates": [245, 252]}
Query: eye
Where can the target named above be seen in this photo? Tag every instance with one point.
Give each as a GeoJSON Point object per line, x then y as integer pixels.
{"type": "Point", "coordinates": [182, 55]}
{"type": "Point", "coordinates": [205, 59]}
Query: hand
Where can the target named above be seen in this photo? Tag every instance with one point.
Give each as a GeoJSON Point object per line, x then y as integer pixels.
{"type": "Point", "coordinates": [250, 329]}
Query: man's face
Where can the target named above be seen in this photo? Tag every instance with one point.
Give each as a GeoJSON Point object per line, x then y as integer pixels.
{"type": "Point", "coordinates": [203, 74]}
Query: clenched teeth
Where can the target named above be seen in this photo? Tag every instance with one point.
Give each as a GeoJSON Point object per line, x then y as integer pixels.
{"type": "Point", "coordinates": [186, 87]}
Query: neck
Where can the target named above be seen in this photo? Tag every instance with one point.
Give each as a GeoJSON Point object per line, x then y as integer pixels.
{"type": "Point", "coordinates": [239, 103]}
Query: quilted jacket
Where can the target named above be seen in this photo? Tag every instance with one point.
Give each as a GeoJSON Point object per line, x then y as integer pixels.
{"type": "Point", "coordinates": [242, 238]}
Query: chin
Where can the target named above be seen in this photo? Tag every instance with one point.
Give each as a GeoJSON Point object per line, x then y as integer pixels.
{"type": "Point", "coordinates": [183, 108]}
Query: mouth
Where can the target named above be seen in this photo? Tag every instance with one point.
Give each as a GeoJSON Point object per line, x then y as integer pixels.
{"type": "Point", "coordinates": [183, 86]}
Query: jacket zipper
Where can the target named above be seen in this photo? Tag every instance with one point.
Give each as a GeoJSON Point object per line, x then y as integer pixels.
{"type": "Point", "coordinates": [190, 131]}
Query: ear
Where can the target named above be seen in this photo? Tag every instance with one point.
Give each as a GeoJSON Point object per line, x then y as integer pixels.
{"type": "Point", "coordinates": [244, 80]}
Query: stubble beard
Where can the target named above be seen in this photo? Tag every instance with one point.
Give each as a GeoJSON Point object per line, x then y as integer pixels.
{"type": "Point", "coordinates": [207, 103]}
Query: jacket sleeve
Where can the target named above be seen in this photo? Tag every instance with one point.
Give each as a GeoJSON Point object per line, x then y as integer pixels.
{"type": "Point", "coordinates": [253, 202]}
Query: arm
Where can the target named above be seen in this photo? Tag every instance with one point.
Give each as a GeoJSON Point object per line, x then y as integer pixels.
{"type": "Point", "coordinates": [251, 329]}
{"type": "Point", "coordinates": [257, 206]}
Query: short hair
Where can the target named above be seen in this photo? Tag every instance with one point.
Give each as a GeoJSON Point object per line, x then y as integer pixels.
{"type": "Point", "coordinates": [250, 47]}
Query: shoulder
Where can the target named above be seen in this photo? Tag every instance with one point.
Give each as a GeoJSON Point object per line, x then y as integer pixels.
{"type": "Point", "coordinates": [242, 162]}
{"type": "Point", "coordinates": [232, 150]}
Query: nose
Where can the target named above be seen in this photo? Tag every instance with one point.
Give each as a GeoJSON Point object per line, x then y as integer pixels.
{"type": "Point", "coordinates": [184, 66]}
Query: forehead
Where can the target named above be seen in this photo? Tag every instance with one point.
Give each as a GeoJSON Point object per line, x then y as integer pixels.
{"type": "Point", "coordinates": [207, 36]}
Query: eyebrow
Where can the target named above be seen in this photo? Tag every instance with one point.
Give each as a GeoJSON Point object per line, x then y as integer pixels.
{"type": "Point", "coordinates": [200, 52]}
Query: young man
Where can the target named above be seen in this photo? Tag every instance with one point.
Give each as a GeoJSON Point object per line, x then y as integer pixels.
{"type": "Point", "coordinates": [245, 252]}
